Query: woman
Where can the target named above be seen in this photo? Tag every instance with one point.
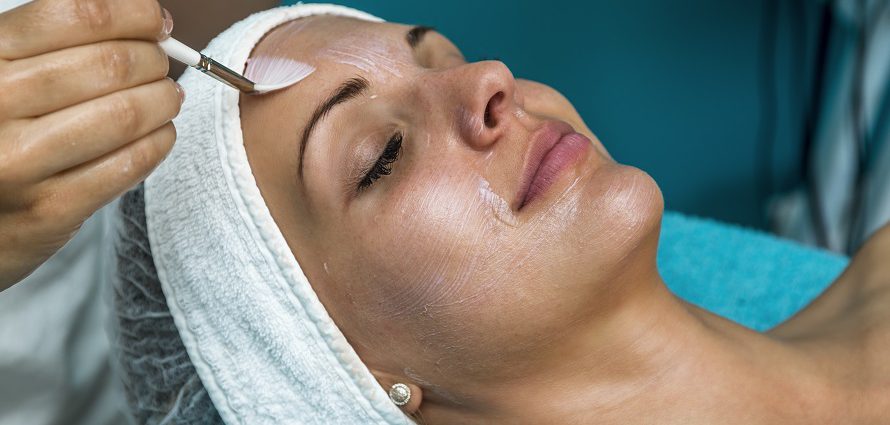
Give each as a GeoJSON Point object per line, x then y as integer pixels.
{"type": "Point", "coordinates": [470, 247]}
{"type": "Point", "coordinates": [595, 315]}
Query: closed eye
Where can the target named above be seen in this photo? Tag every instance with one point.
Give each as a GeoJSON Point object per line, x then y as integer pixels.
{"type": "Point", "coordinates": [383, 165]}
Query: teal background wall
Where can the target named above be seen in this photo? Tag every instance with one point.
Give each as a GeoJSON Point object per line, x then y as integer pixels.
{"type": "Point", "coordinates": [675, 87]}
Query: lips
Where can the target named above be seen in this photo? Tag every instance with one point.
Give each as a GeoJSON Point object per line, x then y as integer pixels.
{"type": "Point", "coordinates": [554, 147]}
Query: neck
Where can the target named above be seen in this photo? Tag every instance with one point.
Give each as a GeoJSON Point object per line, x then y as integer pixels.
{"type": "Point", "coordinates": [656, 356]}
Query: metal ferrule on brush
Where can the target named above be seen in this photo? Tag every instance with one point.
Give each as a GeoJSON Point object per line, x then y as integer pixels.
{"type": "Point", "coordinates": [225, 75]}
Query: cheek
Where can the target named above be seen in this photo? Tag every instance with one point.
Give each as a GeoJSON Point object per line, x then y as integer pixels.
{"type": "Point", "coordinates": [456, 270]}
{"type": "Point", "coordinates": [439, 235]}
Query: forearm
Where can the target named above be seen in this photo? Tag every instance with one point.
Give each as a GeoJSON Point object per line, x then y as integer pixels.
{"type": "Point", "coordinates": [198, 21]}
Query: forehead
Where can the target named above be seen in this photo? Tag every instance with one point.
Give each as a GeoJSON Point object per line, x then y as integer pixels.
{"type": "Point", "coordinates": [340, 47]}
{"type": "Point", "coordinates": [306, 37]}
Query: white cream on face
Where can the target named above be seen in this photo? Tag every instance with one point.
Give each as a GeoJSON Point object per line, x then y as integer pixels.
{"type": "Point", "coordinates": [453, 263]}
{"type": "Point", "coordinates": [486, 260]}
{"type": "Point", "coordinates": [472, 122]}
{"type": "Point", "coordinates": [372, 55]}
{"type": "Point", "coordinates": [369, 61]}
{"type": "Point", "coordinates": [498, 206]}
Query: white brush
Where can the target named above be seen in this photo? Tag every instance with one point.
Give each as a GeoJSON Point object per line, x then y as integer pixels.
{"type": "Point", "coordinates": [277, 73]}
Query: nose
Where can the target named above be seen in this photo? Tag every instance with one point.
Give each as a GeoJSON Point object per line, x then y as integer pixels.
{"type": "Point", "coordinates": [485, 99]}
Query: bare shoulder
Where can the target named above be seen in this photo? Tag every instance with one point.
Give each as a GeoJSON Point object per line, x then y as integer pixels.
{"type": "Point", "coordinates": [847, 329]}
{"type": "Point", "coordinates": [873, 262]}
{"type": "Point", "coordinates": [860, 295]}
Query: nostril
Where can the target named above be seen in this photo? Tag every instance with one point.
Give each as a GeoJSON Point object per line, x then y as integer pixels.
{"type": "Point", "coordinates": [490, 119]}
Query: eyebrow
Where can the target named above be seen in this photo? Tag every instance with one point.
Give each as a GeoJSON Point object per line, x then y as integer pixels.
{"type": "Point", "coordinates": [350, 89]}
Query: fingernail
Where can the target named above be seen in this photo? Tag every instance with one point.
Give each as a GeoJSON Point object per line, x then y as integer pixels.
{"type": "Point", "coordinates": [181, 92]}
{"type": "Point", "coordinates": [167, 25]}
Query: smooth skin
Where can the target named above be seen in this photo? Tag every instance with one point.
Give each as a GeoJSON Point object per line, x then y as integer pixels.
{"type": "Point", "coordinates": [85, 115]}
{"type": "Point", "coordinates": [85, 111]}
{"type": "Point", "coordinates": [558, 316]}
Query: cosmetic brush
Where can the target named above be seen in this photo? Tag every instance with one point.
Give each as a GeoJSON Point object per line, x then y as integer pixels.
{"type": "Point", "coordinates": [283, 73]}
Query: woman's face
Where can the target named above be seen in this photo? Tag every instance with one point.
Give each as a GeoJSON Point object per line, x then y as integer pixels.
{"type": "Point", "coordinates": [412, 206]}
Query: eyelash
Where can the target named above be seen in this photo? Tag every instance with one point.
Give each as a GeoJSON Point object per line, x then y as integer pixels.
{"type": "Point", "coordinates": [383, 166]}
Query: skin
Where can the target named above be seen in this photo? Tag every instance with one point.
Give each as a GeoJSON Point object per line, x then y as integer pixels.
{"type": "Point", "coordinates": [71, 142]}
{"type": "Point", "coordinates": [550, 313]}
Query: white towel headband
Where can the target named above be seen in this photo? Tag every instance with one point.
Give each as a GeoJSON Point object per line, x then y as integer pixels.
{"type": "Point", "coordinates": [263, 345]}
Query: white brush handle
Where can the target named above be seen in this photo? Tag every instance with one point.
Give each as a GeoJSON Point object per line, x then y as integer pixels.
{"type": "Point", "coordinates": [185, 54]}
{"type": "Point", "coordinates": [176, 50]}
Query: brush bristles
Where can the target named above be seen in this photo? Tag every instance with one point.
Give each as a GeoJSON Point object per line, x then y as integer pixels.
{"type": "Point", "coordinates": [274, 73]}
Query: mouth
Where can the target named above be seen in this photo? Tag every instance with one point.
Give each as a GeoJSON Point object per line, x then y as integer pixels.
{"type": "Point", "coordinates": [555, 147]}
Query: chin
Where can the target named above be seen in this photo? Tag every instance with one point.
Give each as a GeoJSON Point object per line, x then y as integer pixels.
{"type": "Point", "coordinates": [648, 210]}
{"type": "Point", "coordinates": [621, 221]}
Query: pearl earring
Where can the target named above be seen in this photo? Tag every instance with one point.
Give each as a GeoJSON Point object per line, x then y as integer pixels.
{"type": "Point", "coordinates": [400, 394]}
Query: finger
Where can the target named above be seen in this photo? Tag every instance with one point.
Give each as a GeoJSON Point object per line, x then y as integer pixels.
{"type": "Point", "coordinates": [52, 81]}
{"type": "Point", "coordinates": [75, 194]}
{"type": "Point", "coordinates": [46, 25]}
{"type": "Point", "coordinates": [84, 132]}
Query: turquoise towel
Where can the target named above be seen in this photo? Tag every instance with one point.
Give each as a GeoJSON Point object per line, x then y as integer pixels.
{"type": "Point", "coordinates": [750, 277]}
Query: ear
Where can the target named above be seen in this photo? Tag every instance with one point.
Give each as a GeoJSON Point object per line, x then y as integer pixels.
{"type": "Point", "coordinates": [387, 380]}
